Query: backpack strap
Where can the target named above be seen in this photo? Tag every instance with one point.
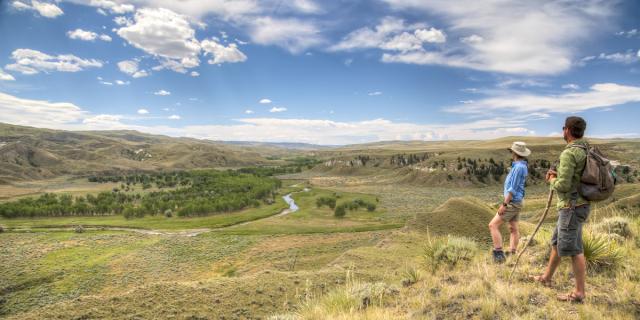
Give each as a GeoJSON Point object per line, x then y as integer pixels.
{"type": "Point", "coordinates": [574, 194]}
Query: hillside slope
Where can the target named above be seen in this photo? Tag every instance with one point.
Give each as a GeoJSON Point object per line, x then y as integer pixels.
{"type": "Point", "coordinates": [31, 153]}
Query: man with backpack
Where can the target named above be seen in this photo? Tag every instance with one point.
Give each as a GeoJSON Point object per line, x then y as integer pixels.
{"type": "Point", "coordinates": [573, 208]}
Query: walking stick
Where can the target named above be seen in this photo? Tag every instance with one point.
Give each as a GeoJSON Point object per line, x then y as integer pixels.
{"type": "Point", "coordinates": [544, 215]}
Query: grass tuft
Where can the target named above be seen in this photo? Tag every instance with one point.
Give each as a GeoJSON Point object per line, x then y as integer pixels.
{"type": "Point", "coordinates": [601, 252]}
{"type": "Point", "coordinates": [448, 251]}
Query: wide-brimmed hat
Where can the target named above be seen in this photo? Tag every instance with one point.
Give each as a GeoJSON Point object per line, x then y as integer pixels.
{"type": "Point", "coordinates": [520, 148]}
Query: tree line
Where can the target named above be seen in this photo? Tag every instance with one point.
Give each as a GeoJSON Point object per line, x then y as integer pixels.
{"type": "Point", "coordinates": [200, 192]}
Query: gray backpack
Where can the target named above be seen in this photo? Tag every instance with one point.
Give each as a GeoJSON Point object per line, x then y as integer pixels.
{"type": "Point", "coordinates": [598, 180]}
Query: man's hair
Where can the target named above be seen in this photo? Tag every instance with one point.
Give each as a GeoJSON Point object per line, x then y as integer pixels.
{"type": "Point", "coordinates": [576, 126]}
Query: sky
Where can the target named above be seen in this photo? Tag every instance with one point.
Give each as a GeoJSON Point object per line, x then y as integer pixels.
{"type": "Point", "coordinates": [324, 72]}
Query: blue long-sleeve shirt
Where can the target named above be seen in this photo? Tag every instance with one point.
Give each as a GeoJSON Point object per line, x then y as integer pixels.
{"type": "Point", "coordinates": [514, 183]}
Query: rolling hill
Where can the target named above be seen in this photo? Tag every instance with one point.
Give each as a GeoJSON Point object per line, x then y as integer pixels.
{"type": "Point", "coordinates": [28, 153]}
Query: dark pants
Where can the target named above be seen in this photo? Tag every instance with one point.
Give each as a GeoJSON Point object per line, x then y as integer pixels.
{"type": "Point", "coordinates": [568, 233]}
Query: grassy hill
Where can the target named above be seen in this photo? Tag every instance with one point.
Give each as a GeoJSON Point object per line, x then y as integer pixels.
{"type": "Point", "coordinates": [28, 153]}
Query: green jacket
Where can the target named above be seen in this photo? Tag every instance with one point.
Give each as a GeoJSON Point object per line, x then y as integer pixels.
{"type": "Point", "coordinates": [572, 162]}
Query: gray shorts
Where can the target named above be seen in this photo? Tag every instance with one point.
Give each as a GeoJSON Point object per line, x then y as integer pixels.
{"type": "Point", "coordinates": [568, 233]}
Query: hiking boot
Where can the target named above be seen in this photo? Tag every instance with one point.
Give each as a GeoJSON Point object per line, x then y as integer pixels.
{"type": "Point", "coordinates": [498, 256]}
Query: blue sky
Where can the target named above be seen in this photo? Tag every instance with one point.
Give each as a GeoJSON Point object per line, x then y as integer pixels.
{"type": "Point", "coordinates": [326, 72]}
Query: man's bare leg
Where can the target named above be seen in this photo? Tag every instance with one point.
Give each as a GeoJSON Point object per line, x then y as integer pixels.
{"type": "Point", "coordinates": [579, 271]}
{"type": "Point", "coordinates": [554, 262]}
{"type": "Point", "coordinates": [514, 237]}
{"type": "Point", "coordinates": [494, 228]}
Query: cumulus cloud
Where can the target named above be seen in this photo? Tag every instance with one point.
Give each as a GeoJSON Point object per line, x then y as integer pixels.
{"type": "Point", "coordinates": [221, 54]}
{"type": "Point", "coordinates": [165, 35]}
{"type": "Point", "coordinates": [194, 73]}
{"type": "Point", "coordinates": [85, 35]}
{"type": "Point", "coordinates": [28, 61]}
{"type": "Point", "coordinates": [45, 9]}
{"type": "Point", "coordinates": [375, 93]}
{"type": "Point", "coordinates": [391, 34]}
{"type": "Point", "coordinates": [248, 111]}
{"type": "Point", "coordinates": [511, 36]}
{"type": "Point", "coordinates": [292, 34]}
{"type": "Point", "coordinates": [143, 111]}
{"type": "Point", "coordinates": [599, 95]}
{"type": "Point", "coordinates": [5, 76]}
{"type": "Point", "coordinates": [174, 117]}
{"type": "Point", "coordinates": [277, 109]}
{"type": "Point", "coordinates": [130, 67]}
{"type": "Point", "coordinates": [265, 101]}
{"type": "Point", "coordinates": [162, 93]}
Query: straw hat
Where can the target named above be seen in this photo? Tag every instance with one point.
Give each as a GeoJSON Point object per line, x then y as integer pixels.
{"type": "Point", "coordinates": [520, 148]}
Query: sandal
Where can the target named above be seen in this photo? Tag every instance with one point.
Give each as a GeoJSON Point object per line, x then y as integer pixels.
{"type": "Point", "coordinates": [539, 279]}
{"type": "Point", "coordinates": [571, 297]}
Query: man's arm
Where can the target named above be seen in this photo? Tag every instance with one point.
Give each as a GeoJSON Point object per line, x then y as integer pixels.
{"type": "Point", "coordinates": [566, 168]}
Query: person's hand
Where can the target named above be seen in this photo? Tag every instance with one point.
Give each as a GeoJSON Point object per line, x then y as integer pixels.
{"type": "Point", "coordinates": [502, 209]}
{"type": "Point", "coordinates": [551, 175]}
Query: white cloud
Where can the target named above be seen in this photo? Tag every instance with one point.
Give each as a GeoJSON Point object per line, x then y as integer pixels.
{"type": "Point", "coordinates": [265, 101]}
{"type": "Point", "coordinates": [28, 61]}
{"type": "Point", "coordinates": [85, 35]}
{"type": "Point", "coordinates": [618, 57]}
{"type": "Point", "coordinates": [166, 35]}
{"type": "Point", "coordinates": [143, 111]}
{"type": "Point", "coordinates": [106, 83]}
{"type": "Point", "coordinates": [174, 117]}
{"type": "Point", "coordinates": [221, 54]}
{"type": "Point", "coordinates": [5, 76]}
{"type": "Point", "coordinates": [122, 83]}
{"type": "Point", "coordinates": [629, 33]}
{"type": "Point", "coordinates": [38, 112]}
{"type": "Point", "coordinates": [598, 96]}
{"type": "Point", "coordinates": [122, 21]}
{"type": "Point", "coordinates": [292, 34]}
{"type": "Point", "coordinates": [277, 109]}
{"type": "Point", "coordinates": [511, 36]}
{"type": "Point", "coordinates": [45, 9]}
{"type": "Point", "coordinates": [162, 93]}
{"type": "Point", "coordinates": [375, 93]}
{"type": "Point", "coordinates": [524, 83]}
{"type": "Point", "coordinates": [130, 67]}
{"type": "Point", "coordinates": [195, 74]}
{"type": "Point", "coordinates": [431, 35]}
{"type": "Point", "coordinates": [472, 39]}
{"type": "Point", "coordinates": [116, 7]}
{"type": "Point", "coordinates": [570, 86]}
{"type": "Point", "coordinates": [248, 111]}
{"type": "Point", "coordinates": [374, 38]}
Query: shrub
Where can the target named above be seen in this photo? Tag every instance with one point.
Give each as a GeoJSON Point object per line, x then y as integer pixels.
{"type": "Point", "coordinates": [326, 201]}
{"type": "Point", "coordinates": [601, 252]}
{"type": "Point", "coordinates": [78, 229]}
{"type": "Point", "coordinates": [1, 229]}
{"type": "Point", "coordinates": [449, 251]}
{"type": "Point", "coordinates": [340, 211]}
{"type": "Point", "coordinates": [411, 276]}
{"type": "Point", "coordinates": [371, 207]}
{"type": "Point", "coordinates": [615, 225]}
{"type": "Point", "coordinates": [168, 213]}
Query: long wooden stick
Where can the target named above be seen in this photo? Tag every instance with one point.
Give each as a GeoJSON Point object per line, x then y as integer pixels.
{"type": "Point", "coordinates": [544, 215]}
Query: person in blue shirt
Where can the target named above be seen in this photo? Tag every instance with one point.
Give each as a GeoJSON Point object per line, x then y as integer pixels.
{"type": "Point", "coordinates": [510, 208]}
